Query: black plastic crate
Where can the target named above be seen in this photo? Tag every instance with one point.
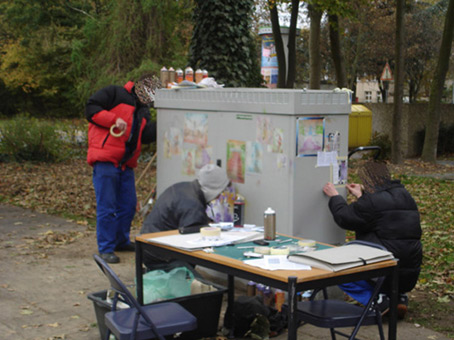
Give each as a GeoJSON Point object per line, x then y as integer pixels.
{"type": "Point", "coordinates": [206, 307]}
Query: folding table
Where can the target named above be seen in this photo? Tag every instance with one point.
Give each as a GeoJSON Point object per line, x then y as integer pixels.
{"type": "Point", "coordinates": [286, 280]}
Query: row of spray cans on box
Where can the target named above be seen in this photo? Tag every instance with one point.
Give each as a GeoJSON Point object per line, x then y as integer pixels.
{"type": "Point", "coordinates": [171, 76]}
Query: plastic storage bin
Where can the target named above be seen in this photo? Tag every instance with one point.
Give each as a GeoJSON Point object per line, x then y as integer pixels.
{"type": "Point", "coordinates": [360, 126]}
{"type": "Point", "coordinates": [206, 307]}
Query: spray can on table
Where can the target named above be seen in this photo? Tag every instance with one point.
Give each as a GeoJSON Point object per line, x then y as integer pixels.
{"type": "Point", "coordinates": [238, 210]}
{"type": "Point", "coordinates": [269, 218]}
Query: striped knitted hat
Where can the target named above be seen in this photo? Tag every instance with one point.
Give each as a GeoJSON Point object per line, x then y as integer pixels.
{"type": "Point", "coordinates": [145, 88]}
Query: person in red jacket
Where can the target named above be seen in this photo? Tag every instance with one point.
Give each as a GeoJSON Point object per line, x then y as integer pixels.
{"type": "Point", "coordinates": [119, 122]}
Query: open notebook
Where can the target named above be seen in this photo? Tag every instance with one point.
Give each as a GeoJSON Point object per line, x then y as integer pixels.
{"type": "Point", "coordinates": [340, 258]}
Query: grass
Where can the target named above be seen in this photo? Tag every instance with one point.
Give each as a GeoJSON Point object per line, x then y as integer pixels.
{"type": "Point", "coordinates": [436, 206]}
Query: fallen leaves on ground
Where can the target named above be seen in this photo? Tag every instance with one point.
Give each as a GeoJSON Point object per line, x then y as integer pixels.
{"type": "Point", "coordinates": [66, 190]}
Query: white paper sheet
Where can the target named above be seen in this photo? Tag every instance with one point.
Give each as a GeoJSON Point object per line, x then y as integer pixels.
{"type": "Point", "coordinates": [276, 262]}
{"type": "Point", "coordinates": [326, 158]}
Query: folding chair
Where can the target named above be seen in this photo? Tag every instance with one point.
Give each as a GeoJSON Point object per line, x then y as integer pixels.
{"type": "Point", "coordinates": [332, 314]}
{"type": "Point", "coordinates": [142, 322]}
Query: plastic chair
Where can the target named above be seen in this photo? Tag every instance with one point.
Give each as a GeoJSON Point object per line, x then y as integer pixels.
{"type": "Point", "coordinates": [332, 314]}
{"type": "Point", "coordinates": [142, 322]}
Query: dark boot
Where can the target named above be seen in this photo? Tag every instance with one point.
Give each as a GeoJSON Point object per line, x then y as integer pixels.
{"type": "Point", "coordinates": [110, 257]}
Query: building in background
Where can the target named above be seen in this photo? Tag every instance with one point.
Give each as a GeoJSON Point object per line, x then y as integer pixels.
{"type": "Point", "coordinates": [368, 91]}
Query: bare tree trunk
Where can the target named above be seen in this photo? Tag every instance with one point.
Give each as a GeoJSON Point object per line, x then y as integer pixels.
{"type": "Point", "coordinates": [336, 51]}
{"type": "Point", "coordinates": [314, 47]}
{"type": "Point", "coordinates": [292, 45]}
{"type": "Point", "coordinates": [429, 152]}
{"type": "Point", "coordinates": [396, 150]}
{"type": "Point", "coordinates": [277, 36]}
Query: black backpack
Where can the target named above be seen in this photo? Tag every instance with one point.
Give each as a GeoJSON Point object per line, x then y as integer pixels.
{"type": "Point", "coordinates": [249, 316]}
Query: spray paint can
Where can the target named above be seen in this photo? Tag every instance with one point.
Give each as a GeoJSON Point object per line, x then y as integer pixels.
{"type": "Point", "coordinates": [238, 210]}
{"type": "Point", "coordinates": [171, 75]}
{"type": "Point", "coordinates": [268, 296]}
{"type": "Point", "coordinates": [269, 222]}
{"type": "Point", "coordinates": [164, 76]}
{"type": "Point", "coordinates": [251, 288]}
{"type": "Point", "coordinates": [259, 289]}
{"type": "Point", "coordinates": [180, 75]}
{"type": "Point", "coordinates": [198, 76]}
{"type": "Point", "coordinates": [189, 74]}
{"type": "Point", "coordinates": [279, 299]}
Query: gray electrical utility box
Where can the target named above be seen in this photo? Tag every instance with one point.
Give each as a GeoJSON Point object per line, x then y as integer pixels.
{"type": "Point", "coordinates": [279, 147]}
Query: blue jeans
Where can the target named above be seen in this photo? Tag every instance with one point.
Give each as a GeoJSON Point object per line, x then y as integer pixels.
{"type": "Point", "coordinates": [361, 291]}
{"type": "Point", "coordinates": [115, 205]}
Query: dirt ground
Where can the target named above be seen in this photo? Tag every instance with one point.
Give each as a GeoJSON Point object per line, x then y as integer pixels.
{"type": "Point", "coordinates": [47, 270]}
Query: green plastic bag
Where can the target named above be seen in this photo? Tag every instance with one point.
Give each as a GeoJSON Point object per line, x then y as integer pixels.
{"type": "Point", "coordinates": [159, 285]}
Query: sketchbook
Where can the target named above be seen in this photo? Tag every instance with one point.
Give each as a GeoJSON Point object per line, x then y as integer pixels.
{"type": "Point", "coordinates": [340, 258]}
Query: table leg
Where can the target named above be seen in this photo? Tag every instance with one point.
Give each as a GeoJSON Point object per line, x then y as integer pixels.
{"type": "Point", "coordinates": [230, 302]}
{"type": "Point", "coordinates": [139, 272]}
{"type": "Point", "coordinates": [293, 308]}
{"type": "Point", "coordinates": [392, 330]}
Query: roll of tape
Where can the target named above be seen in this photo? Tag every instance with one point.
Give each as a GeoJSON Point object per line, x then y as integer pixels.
{"type": "Point", "coordinates": [210, 231]}
{"type": "Point", "coordinates": [262, 250]}
{"type": "Point", "coordinates": [282, 250]}
{"type": "Point", "coordinates": [307, 243]}
{"type": "Point", "coordinates": [113, 133]}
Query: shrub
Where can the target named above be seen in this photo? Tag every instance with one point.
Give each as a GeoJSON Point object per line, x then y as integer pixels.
{"type": "Point", "coordinates": [29, 139]}
{"type": "Point", "coordinates": [382, 140]}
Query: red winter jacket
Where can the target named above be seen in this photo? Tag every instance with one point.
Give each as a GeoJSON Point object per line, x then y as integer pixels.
{"type": "Point", "coordinates": [102, 110]}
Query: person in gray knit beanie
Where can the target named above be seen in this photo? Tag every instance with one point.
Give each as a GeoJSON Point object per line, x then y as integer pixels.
{"type": "Point", "coordinates": [213, 180]}
{"type": "Point", "coordinates": [183, 206]}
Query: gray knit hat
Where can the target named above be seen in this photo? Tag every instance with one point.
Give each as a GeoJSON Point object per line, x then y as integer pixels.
{"type": "Point", "coordinates": [213, 180]}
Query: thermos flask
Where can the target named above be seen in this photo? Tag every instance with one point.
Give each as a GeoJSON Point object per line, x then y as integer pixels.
{"type": "Point", "coordinates": [269, 224]}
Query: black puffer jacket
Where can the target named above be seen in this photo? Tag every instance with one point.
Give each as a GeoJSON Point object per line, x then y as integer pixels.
{"type": "Point", "coordinates": [388, 217]}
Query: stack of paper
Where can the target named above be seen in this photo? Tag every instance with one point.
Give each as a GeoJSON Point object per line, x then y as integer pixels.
{"type": "Point", "coordinates": [196, 241]}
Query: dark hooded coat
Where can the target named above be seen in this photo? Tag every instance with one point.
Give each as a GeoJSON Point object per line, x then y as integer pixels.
{"type": "Point", "coordinates": [389, 217]}
{"type": "Point", "coordinates": [180, 205]}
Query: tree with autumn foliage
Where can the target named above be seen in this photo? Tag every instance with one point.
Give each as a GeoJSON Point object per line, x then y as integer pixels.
{"type": "Point", "coordinates": [56, 53]}
{"type": "Point", "coordinates": [35, 43]}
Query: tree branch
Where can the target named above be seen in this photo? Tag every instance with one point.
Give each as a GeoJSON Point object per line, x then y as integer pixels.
{"type": "Point", "coordinates": [79, 10]}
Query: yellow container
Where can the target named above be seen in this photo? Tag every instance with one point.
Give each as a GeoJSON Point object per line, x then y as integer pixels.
{"type": "Point", "coordinates": [359, 126]}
